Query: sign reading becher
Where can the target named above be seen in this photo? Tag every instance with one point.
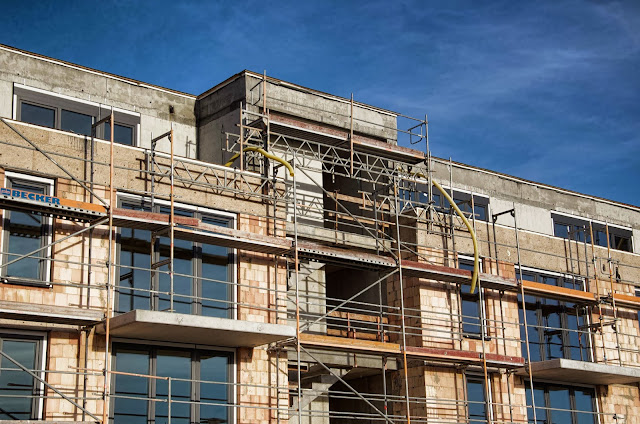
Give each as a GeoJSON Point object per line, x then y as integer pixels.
{"type": "Point", "coordinates": [30, 196]}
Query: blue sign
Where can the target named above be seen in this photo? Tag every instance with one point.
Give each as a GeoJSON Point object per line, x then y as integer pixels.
{"type": "Point", "coordinates": [30, 196]}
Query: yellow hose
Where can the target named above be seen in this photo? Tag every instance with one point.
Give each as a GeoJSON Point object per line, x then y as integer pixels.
{"type": "Point", "coordinates": [476, 257]}
{"type": "Point", "coordinates": [263, 153]}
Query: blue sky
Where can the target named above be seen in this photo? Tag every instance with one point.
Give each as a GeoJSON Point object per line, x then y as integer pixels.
{"type": "Point", "coordinates": [548, 91]}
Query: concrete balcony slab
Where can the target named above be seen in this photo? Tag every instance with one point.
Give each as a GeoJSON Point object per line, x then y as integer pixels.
{"type": "Point", "coordinates": [183, 328]}
{"type": "Point", "coordinates": [570, 371]}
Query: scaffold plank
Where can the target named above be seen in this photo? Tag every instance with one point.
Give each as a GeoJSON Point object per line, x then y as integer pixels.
{"type": "Point", "coordinates": [627, 301]}
{"type": "Point", "coordinates": [144, 220]}
{"type": "Point", "coordinates": [49, 313]}
{"type": "Point", "coordinates": [321, 253]}
{"type": "Point", "coordinates": [50, 205]}
{"type": "Point", "coordinates": [425, 353]}
{"type": "Point", "coordinates": [227, 237]}
{"type": "Point", "coordinates": [558, 293]}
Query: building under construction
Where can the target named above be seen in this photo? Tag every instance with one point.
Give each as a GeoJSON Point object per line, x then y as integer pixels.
{"type": "Point", "coordinates": [268, 253]}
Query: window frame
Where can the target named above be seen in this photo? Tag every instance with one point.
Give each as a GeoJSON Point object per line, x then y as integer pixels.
{"type": "Point", "coordinates": [45, 271]}
{"type": "Point", "coordinates": [195, 392]}
{"type": "Point", "coordinates": [196, 261]}
{"type": "Point", "coordinates": [564, 314]}
{"type": "Point", "coordinates": [575, 222]}
{"type": "Point", "coordinates": [537, 384]}
{"type": "Point", "coordinates": [37, 403]}
{"type": "Point", "coordinates": [407, 197]}
{"type": "Point", "coordinates": [480, 303]}
{"type": "Point", "coordinates": [477, 377]}
{"type": "Point", "coordinates": [59, 102]}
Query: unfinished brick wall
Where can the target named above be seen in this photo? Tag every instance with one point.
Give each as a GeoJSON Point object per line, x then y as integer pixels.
{"type": "Point", "coordinates": [263, 386]}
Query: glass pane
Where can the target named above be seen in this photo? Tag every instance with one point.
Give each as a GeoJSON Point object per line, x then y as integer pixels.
{"type": "Point", "coordinates": [121, 134]}
{"type": "Point", "coordinates": [16, 386]}
{"type": "Point", "coordinates": [584, 402]}
{"type": "Point", "coordinates": [559, 399]}
{"type": "Point", "coordinates": [551, 312]}
{"type": "Point", "coordinates": [532, 328]}
{"type": "Point", "coordinates": [78, 123]}
{"type": "Point", "coordinates": [214, 394]}
{"type": "Point", "coordinates": [38, 115]}
{"type": "Point", "coordinates": [177, 365]}
{"type": "Point", "coordinates": [541, 413]}
{"type": "Point", "coordinates": [25, 235]}
{"type": "Point", "coordinates": [215, 260]}
{"type": "Point", "coordinates": [131, 392]}
{"type": "Point", "coordinates": [476, 405]}
{"type": "Point", "coordinates": [481, 212]}
{"type": "Point", "coordinates": [560, 230]}
{"type": "Point", "coordinates": [135, 252]}
{"type": "Point", "coordinates": [182, 284]}
{"type": "Point", "coordinates": [470, 314]}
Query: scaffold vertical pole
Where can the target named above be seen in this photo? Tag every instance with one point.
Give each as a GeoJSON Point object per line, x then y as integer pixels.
{"type": "Point", "coordinates": [613, 298]}
{"type": "Point", "coordinates": [402, 316]}
{"type": "Point", "coordinates": [171, 223]}
{"type": "Point", "coordinates": [524, 315]}
{"type": "Point", "coordinates": [110, 274]}
{"type": "Point", "coordinates": [297, 282]}
{"type": "Point", "coordinates": [598, 294]}
{"type": "Point", "coordinates": [351, 137]}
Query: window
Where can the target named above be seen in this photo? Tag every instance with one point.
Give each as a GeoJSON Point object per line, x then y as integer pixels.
{"type": "Point", "coordinates": [476, 399]}
{"type": "Point", "coordinates": [19, 392]}
{"type": "Point", "coordinates": [199, 389]}
{"type": "Point", "coordinates": [203, 273]}
{"type": "Point", "coordinates": [577, 229]}
{"type": "Point", "coordinates": [25, 232]}
{"type": "Point", "coordinates": [122, 134]}
{"type": "Point", "coordinates": [52, 110]}
{"type": "Point", "coordinates": [38, 115]}
{"type": "Point", "coordinates": [471, 309]}
{"type": "Point", "coordinates": [556, 329]}
{"type": "Point", "coordinates": [638, 295]}
{"type": "Point", "coordinates": [416, 194]}
{"type": "Point", "coordinates": [556, 404]}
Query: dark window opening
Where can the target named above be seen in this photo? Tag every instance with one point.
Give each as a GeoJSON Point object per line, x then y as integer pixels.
{"type": "Point", "coordinates": [476, 400]}
{"type": "Point", "coordinates": [200, 388]}
{"type": "Point", "coordinates": [561, 404]}
{"type": "Point", "coordinates": [122, 134]}
{"type": "Point", "coordinates": [576, 229]}
{"type": "Point", "coordinates": [75, 116]}
{"type": "Point", "coordinates": [38, 115]}
{"type": "Point", "coordinates": [24, 233]}
{"type": "Point", "coordinates": [78, 123]}
{"type": "Point", "coordinates": [471, 308]}
{"type": "Point", "coordinates": [19, 391]}
{"type": "Point", "coordinates": [556, 329]}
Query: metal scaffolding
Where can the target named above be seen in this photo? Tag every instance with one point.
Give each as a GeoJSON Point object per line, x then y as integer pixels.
{"type": "Point", "coordinates": [399, 338]}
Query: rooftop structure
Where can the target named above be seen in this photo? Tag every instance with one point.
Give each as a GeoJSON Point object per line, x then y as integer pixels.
{"type": "Point", "coordinates": [267, 253]}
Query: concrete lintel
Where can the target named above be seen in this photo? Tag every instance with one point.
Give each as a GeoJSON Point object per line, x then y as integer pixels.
{"type": "Point", "coordinates": [571, 371]}
{"type": "Point", "coordinates": [167, 326]}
